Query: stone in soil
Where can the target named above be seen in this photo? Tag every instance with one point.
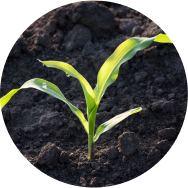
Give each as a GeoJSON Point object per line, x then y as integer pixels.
{"type": "Point", "coordinates": [168, 134]}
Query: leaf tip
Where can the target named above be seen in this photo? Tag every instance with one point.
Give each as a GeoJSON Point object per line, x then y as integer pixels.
{"type": "Point", "coordinates": [39, 60]}
{"type": "Point", "coordinates": [163, 38]}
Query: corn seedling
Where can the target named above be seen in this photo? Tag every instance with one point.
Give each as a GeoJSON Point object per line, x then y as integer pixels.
{"type": "Point", "coordinates": [108, 73]}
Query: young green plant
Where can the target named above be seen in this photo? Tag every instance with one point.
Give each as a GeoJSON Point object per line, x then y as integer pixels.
{"type": "Point", "coordinates": [108, 73]}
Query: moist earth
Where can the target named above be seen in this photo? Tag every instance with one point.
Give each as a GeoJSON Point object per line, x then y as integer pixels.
{"type": "Point", "coordinates": [51, 137]}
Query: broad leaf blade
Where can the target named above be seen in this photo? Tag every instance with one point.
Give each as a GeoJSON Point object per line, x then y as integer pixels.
{"type": "Point", "coordinates": [114, 121]}
{"type": "Point", "coordinates": [68, 69]}
{"type": "Point", "coordinates": [125, 51]}
{"type": "Point", "coordinates": [50, 89]}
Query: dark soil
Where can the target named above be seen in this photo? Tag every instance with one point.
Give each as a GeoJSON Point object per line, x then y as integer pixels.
{"type": "Point", "coordinates": [51, 137]}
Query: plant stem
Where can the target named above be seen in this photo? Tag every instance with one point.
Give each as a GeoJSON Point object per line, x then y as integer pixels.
{"type": "Point", "coordinates": [91, 152]}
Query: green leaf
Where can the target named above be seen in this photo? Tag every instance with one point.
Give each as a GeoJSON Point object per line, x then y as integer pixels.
{"type": "Point", "coordinates": [7, 97]}
{"type": "Point", "coordinates": [114, 121]}
{"type": "Point", "coordinates": [50, 89]}
{"type": "Point", "coordinates": [125, 51]}
{"type": "Point", "coordinates": [68, 69]}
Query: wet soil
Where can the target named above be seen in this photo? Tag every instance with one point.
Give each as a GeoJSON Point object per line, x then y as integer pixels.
{"type": "Point", "coordinates": [51, 137]}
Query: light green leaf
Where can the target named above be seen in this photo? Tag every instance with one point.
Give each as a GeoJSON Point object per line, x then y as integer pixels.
{"type": "Point", "coordinates": [50, 89]}
{"type": "Point", "coordinates": [114, 121]}
{"type": "Point", "coordinates": [125, 51]}
{"type": "Point", "coordinates": [7, 97]}
{"type": "Point", "coordinates": [68, 69]}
